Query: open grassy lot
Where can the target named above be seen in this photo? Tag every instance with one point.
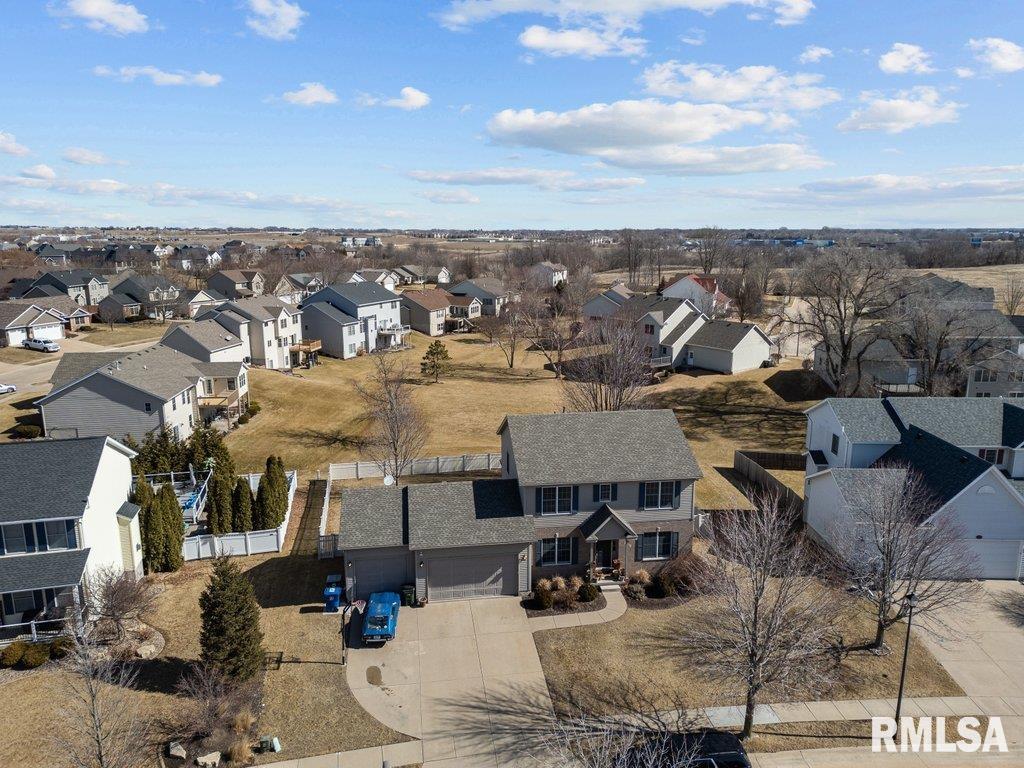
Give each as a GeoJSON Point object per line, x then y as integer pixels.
{"type": "Point", "coordinates": [121, 334]}
{"type": "Point", "coordinates": [20, 355]}
{"type": "Point", "coordinates": [315, 417]}
{"type": "Point", "coordinates": [308, 704]}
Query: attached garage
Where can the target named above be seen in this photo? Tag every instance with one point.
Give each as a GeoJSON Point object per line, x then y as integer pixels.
{"type": "Point", "coordinates": [728, 346]}
{"type": "Point", "coordinates": [997, 558]}
{"type": "Point", "coordinates": [376, 570]}
{"type": "Point", "coordinates": [475, 572]}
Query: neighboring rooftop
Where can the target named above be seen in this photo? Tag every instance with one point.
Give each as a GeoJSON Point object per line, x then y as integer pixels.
{"type": "Point", "coordinates": [981, 422]}
{"type": "Point", "coordinates": [864, 419]}
{"type": "Point", "coordinates": [432, 299]}
{"type": "Point", "coordinates": [722, 334]}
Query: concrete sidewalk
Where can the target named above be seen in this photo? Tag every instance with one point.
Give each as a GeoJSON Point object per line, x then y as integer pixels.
{"type": "Point", "coordinates": [614, 609]}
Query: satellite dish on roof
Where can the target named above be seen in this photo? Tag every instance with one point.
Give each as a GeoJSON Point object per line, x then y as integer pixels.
{"type": "Point", "coordinates": [389, 480]}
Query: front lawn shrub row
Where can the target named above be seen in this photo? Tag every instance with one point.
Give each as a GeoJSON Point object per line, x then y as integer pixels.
{"type": "Point", "coordinates": [22, 655]}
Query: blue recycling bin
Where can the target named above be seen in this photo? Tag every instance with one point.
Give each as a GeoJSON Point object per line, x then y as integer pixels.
{"type": "Point", "coordinates": [333, 593]}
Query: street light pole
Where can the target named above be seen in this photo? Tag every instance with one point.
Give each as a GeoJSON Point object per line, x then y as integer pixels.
{"type": "Point", "coordinates": [911, 602]}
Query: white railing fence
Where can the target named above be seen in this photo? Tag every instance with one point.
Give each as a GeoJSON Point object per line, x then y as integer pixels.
{"type": "Point", "coordinates": [325, 510]}
{"type": "Point", "coordinates": [208, 545]}
{"type": "Point", "coordinates": [436, 465]}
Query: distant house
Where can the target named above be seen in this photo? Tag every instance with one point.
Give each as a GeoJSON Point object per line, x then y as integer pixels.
{"type": "Point", "coordinates": [82, 285]}
{"type": "Point", "coordinates": [237, 283]}
{"type": "Point", "coordinates": [410, 274]}
{"type": "Point", "coordinates": [293, 288]}
{"type": "Point", "coordinates": [191, 302]}
{"type": "Point", "coordinates": [274, 328]}
{"type": "Point", "coordinates": [426, 311]}
{"type": "Point", "coordinates": [606, 303]}
{"type": "Point", "coordinates": [492, 293]}
{"type": "Point", "coordinates": [189, 258]}
{"type": "Point", "coordinates": [20, 320]}
{"type": "Point", "coordinates": [437, 275]}
{"type": "Point", "coordinates": [549, 274]}
{"type": "Point", "coordinates": [702, 291]}
{"type": "Point", "coordinates": [109, 393]}
{"type": "Point", "coordinates": [1000, 375]}
{"type": "Point", "coordinates": [56, 535]}
{"type": "Point", "coordinates": [386, 278]}
{"type": "Point", "coordinates": [462, 310]}
{"type": "Point", "coordinates": [155, 295]}
{"type": "Point", "coordinates": [376, 308]}
{"type": "Point", "coordinates": [75, 316]}
{"type": "Point", "coordinates": [945, 293]}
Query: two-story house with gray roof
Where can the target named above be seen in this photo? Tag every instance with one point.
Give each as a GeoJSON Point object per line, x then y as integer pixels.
{"type": "Point", "coordinates": [54, 534]}
{"type": "Point", "coordinates": [82, 285]}
{"type": "Point", "coordinates": [377, 310]}
{"type": "Point", "coordinates": [968, 452]}
{"type": "Point", "coordinates": [578, 492]}
{"type": "Point", "coordinates": [274, 328]}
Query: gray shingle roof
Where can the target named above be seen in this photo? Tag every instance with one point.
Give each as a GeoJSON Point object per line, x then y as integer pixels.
{"type": "Point", "coordinates": [967, 421]}
{"type": "Point", "coordinates": [601, 517]}
{"type": "Point", "coordinates": [683, 326]}
{"type": "Point", "coordinates": [864, 419]}
{"type": "Point", "coordinates": [330, 311]}
{"type": "Point", "coordinates": [70, 466]}
{"type": "Point", "coordinates": [74, 365]}
{"type": "Point", "coordinates": [625, 446]}
{"type": "Point", "coordinates": [491, 285]}
{"type": "Point", "coordinates": [42, 571]}
{"type": "Point", "coordinates": [721, 334]}
{"type": "Point", "coordinates": [372, 517]}
{"type": "Point", "coordinates": [467, 513]}
{"type": "Point", "coordinates": [208, 334]}
{"type": "Point", "coordinates": [361, 293]}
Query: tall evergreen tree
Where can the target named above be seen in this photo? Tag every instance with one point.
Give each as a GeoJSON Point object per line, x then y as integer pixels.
{"type": "Point", "coordinates": [150, 524]}
{"type": "Point", "coordinates": [219, 506]}
{"type": "Point", "coordinates": [230, 637]}
{"type": "Point", "coordinates": [263, 510]}
{"type": "Point", "coordinates": [279, 484]}
{"type": "Point", "coordinates": [173, 528]}
{"type": "Point", "coordinates": [436, 361]}
{"type": "Point", "coordinates": [241, 507]}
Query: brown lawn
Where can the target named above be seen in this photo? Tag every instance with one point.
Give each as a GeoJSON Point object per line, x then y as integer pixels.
{"type": "Point", "coordinates": [20, 355]}
{"type": "Point", "coordinates": [123, 334]}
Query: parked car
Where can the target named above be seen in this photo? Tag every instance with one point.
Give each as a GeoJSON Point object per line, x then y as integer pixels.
{"type": "Point", "coordinates": [6, 389]}
{"type": "Point", "coordinates": [43, 345]}
{"type": "Point", "coordinates": [381, 618]}
{"type": "Point", "coordinates": [711, 748]}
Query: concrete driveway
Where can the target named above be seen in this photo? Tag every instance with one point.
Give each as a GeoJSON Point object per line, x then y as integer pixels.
{"type": "Point", "coordinates": [464, 677]}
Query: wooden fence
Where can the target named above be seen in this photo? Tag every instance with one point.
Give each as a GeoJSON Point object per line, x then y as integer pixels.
{"type": "Point", "coordinates": [436, 465]}
{"type": "Point", "coordinates": [754, 466]}
{"type": "Point", "coordinates": [208, 545]}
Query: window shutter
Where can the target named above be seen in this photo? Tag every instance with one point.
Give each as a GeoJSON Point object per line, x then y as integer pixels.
{"type": "Point", "coordinates": [575, 550]}
{"type": "Point", "coordinates": [615, 491]}
{"type": "Point", "coordinates": [41, 537]}
{"type": "Point", "coordinates": [3, 547]}
{"type": "Point", "coordinates": [30, 537]}
{"type": "Point", "coordinates": [539, 501]}
{"type": "Point", "coordinates": [575, 498]}
{"type": "Point", "coordinates": [72, 534]}
{"type": "Point", "coordinates": [640, 544]}
{"type": "Point", "coordinates": [597, 492]}
{"type": "Point", "coordinates": [8, 603]}
{"type": "Point", "coordinates": [539, 546]}
{"type": "Point", "coordinates": [39, 599]}
{"type": "Point", "coordinates": [640, 495]}
{"type": "Point", "coordinates": [673, 544]}
{"type": "Point", "coordinates": [675, 494]}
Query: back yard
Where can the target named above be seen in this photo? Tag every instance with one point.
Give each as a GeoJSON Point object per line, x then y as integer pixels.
{"type": "Point", "coordinates": [315, 417]}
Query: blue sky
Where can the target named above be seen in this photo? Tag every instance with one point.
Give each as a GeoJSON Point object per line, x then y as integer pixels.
{"type": "Point", "coordinates": [512, 113]}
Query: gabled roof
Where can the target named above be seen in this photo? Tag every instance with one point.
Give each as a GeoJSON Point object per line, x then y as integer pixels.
{"type": "Point", "coordinates": [68, 278]}
{"type": "Point", "coordinates": [121, 298]}
{"type": "Point", "coordinates": [261, 308]}
{"type": "Point", "coordinates": [491, 285]}
{"type": "Point", "coordinates": [561, 448]}
{"type": "Point", "coordinates": [553, 266]}
{"type": "Point", "coordinates": [684, 325]}
{"type": "Point", "coordinates": [23, 315]}
{"type": "Point", "coordinates": [432, 299]}
{"type": "Point", "coordinates": [724, 334]}
{"type": "Point", "coordinates": [412, 269]}
{"type": "Point", "coordinates": [359, 294]}
{"type": "Point", "coordinates": [330, 311]}
{"type": "Point", "coordinates": [1003, 360]}
{"type": "Point", "coordinates": [71, 466]}
{"type": "Point", "coordinates": [372, 517]}
{"type": "Point", "coordinates": [968, 421]}
{"type": "Point", "coordinates": [74, 365]}
{"type": "Point", "coordinates": [600, 519]}
{"type": "Point", "coordinates": [467, 513]}
{"type": "Point", "coordinates": [207, 334]}
{"type": "Point", "coordinates": [238, 275]}
{"type": "Point", "coordinates": [462, 301]}
{"type": "Point", "coordinates": [934, 286]}
{"type": "Point", "coordinates": [62, 303]}
{"type": "Point", "coordinates": [864, 419]}
{"type": "Point", "coordinates": [657, 306]}
{"type": "Point", "coordinates": [44, 290]}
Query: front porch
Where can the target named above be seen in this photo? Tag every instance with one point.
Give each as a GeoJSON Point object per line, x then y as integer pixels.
{"type": "Point", "coordinates": [41, 595]}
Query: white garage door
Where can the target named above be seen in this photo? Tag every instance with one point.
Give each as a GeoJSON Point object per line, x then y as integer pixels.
{"type": "Point", "coordinates": [49, 332]}
{"type": "Point", "coordinates": [458, 578]}
{"type": "Point", "coordinates": [997, 558]}
{"type": "Point", "coordinates": [385, 573]}
{"type": "Point", "coordinates": [15, 337]}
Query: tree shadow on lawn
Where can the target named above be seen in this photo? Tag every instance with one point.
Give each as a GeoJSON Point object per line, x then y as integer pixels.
{"type": "Point", "coordinates": [797, 386]}
{"type": "Point", "coordinates": [161, 675]}
{"type": "Point", "coordinates": [292, 580]}
{"type": "Point", "coordinates": [326, 438]}
{"type": "Point", "coordinates": [1010, 606]}
{"type": "Point", "coordinates": [28, 415]}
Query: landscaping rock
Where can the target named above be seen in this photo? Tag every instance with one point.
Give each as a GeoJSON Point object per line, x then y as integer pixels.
{"type": "Point", "coordinates": [147, 650]}
{"type": "Point", "coordinates": [209, 760]}
{"type": "Point", "coordinates": [174, 749]}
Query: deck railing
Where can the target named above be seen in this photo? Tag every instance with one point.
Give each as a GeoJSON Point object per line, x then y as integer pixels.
{"type": "Point", "coordinates": [38, 629]}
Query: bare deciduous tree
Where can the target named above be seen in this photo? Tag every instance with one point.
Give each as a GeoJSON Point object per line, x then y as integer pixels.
{"type": "Point", "coordinates": [897, 546]}
{"type": "Point", "coordinates": [217, 698]}
{"type": "Point", "coordinates": [399, 430]}
{"type": "Point", "coordinates": [630, 247]}
{"type": "Point", "coordinates": [844, 292]}
{"type": "Point", "coordinates": [712, 248]}
{"type": "Point", "coordinates": [772, 618]}
{"type": "Point", "coordinates": [99, 723]}
{"type": "Point", "coordinates": [1013, 294]}
{"type": "Point", "coordinates": [612, 374]}
{"type": "Point", "coordinates": [512, 330]}
{"type": "Point", "coordinates": [584, 741]}
{"type": "Point", "coordinates": [117, 598]}
{"type": "Point", "coordinates": [549, 326]}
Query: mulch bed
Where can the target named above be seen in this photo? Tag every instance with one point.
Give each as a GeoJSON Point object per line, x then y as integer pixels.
{"type": "Point", "coordinates": [580, 607]}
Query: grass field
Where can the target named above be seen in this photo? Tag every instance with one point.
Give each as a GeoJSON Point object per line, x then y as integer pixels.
{"type": "Point", "coordinates": [315, 417]}
{"type": "Point", "coordinates": [20, 355]}
{"type": "Point", "coordinates": [122, 334]}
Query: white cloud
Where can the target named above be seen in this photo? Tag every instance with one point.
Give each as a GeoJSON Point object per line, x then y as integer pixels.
{"type": "Point", "coordinates": [40, 171]}
{"type": "Point", "coordinates": [275, 19]}
{"type": "Point", "coordinates": [677, 160]}
{"type": "Point", "coordinates": [10, 146]}
{"type": "Point", "coordinates": [559, 180]}
{"type": "Point", "coordinates": [584, 42]}
{"type": "Point", "coordinates": [310, 95]}
{"type": "Point", "coordinates": [905, 58]}
{"type": "Point", "coordinates": [450, 197]}
{"type": "Point", "coordinates": [82, 156]}
{"type": "Point", "coordinates": [915, 108]}
{"type": "Point", "coordinates": [998, 54]}
{"type": "Point", "coordinates": [461, 14]}
{"type": "Point", "coordinates": [106, 16]}
{"type": "Point", "coordinates": [964, 73]}
{"type": "Point", "coordinates": [158, 76]}
{"type": "Point", "coordinates": [812, 54]}
{"type": "Point", "coordinates": [409, 99]}
{"type": "Point", "coordinates": [694, 36]}
{"type": "Point", "coordinates": [753, 85]}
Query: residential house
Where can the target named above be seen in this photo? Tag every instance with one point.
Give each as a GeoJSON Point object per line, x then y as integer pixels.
{"type": "Point", "coordinates": [155, 295]}
{"type": "Point", "coordinates": [606, 303]}
{"type": "Point", "coordinates": [189, 258]}
{"type": "Point", "coordinates": [968, 452]}
{"type": "Point", "coordinates": [237, 283]}
{"type": "Point", "coordinates": [944, 293]}
{"type": "Point", "coordinates": [21, 320]}
{"type": "Point", "coordinates": [377, 309]}
{"type": "Point", "coordinates": [137, 256]}
{"type": "Point", "coordinates": [702, 291]}
{"type": "Point", "coordinates": [437, 275]}
{"type": "Point", "coordinates": [110, 393]}
{"type": "Point", "coordinates": [1001, 375]}
{"type": "Point", "coordinates": [274, 329]}
{"type": "Point", "coordinates": [118, 307]}
{"type": "Point", "coordinates": [75, 316]}
{"type": "Point", "coordinates": [462, 310]}
{"type": "Point", "coordinates": [549, 274]}
{"type": "Point", "coordinates": [55, 535]}
{"type": "Point", "coordinates": [192, 301]}
{"type": "Point", "coordinates": [293, 288]}
{"type": "Point", "coordinates": [386, 278]}
{"type": "Point", "coordinates": [426, 311]}
{"type": "Point", "coordinates": [568, 501]}
{"type": "Point", "coordinates": [340, 334]}
{"type": "Point", "coordinates": [208, 341]}
{"type": "Point", "coordinates": [410, 274]}
{"type": "Point", "coordinates": [492, 293]}
{"type": "Point", "coordinates": [82, 285]}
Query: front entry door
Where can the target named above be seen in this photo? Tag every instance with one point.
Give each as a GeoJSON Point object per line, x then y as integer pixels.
{"type": "Point", "coordinates": [605, 552]}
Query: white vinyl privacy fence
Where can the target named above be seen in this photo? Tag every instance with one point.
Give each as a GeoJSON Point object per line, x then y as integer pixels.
{"type": "Point", "coordinates": [207, 545]}
{"type": "Point", "coordinates": [436, 465]}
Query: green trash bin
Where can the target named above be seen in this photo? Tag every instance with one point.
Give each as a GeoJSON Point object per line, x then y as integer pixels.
{"type": "Point", "coordinates": [409, 595]}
